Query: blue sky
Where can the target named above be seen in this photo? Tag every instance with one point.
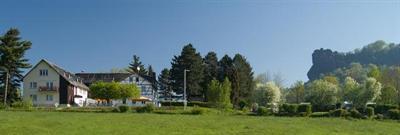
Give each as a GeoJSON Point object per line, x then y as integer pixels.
{"type": "Point", "coordinates": [275, 36]}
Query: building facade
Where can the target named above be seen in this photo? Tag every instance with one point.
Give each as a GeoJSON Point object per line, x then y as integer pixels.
{"type": "Point", "coordinates": [47, 84]}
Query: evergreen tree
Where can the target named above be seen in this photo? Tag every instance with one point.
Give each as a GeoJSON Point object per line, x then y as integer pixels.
{"type": "Point", "coordinates": [191, 60]}
{"type": "Point", "coordinates": [133, 66]}
{"type": "Point", "coordinates": [225, 68]}
{"type": "Point", "coordinates": [152, 76]}
{"type": "Point", "coordinates": [13, 61]}
{"type": "Point", "coordinates": [210, 71]}
{"type": "Point", "coordinates": [165, 83]}
{"type": "Point", "coordinates": [242, 80]}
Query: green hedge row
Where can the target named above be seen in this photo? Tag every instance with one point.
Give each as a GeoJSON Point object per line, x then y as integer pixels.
{"type": "Point", "coordinates": [295, 110]}
{"type": "Point", "coordinates": [193, 103]}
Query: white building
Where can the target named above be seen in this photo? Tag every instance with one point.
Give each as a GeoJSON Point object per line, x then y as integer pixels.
{"type": "Point", "coordinates": [146, 85]}
{"type": "Point", "coordinates": [47, 84]}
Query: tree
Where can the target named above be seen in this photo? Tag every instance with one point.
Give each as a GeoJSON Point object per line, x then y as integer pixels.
{"type": "Point", "coordinates": [371, 91]}
{"type": "Point", "coordinates": [13, 61]}
{"type": "Point", "coordinates": [225, 68]}
{"type": "Point", "coordinates": [374, 72]}
{"type": "Point", "coordinates": [272, 93]}
{"type": "Point", "coordinates": [152, 76]}
{"type": "Point", "coordinates": [189, 59]}
{"type": "Point", "coordinates": [114, 90]}
{"type": "Point", "coordinates": [210, 70]}
{"type": "Point", "coordinates": [219, 94]}
{"type": "Point", "coordinates": [135, 64]}
{"type": "Point", "coordinates": [350, 90]}
{"type": "Point", "coordinates": [322, 93]}
{"type": "Point", "coordinates": [332, 79]}
{"type": "Point", "coordinates": [388, 96]}
{"type": "Point", "coordinates": [296, 93]}
{"type": "Point", "coordinates": [242, 80]}
{"type": "Point", "coordinates": [129, 91]}
{"type": "Point", "coordinates": [165, 83]}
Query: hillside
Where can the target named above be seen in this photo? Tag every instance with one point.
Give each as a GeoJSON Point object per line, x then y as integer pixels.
{"type": "Point", "coordinates": [378, 53]}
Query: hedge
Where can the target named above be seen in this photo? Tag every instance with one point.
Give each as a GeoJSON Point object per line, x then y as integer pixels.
{"type": "Point", "coordinates": [305, 109]}
{"type": "Point", "coordinates": [193, 103]}
{"type": "Point", "coordinates": [383, 109]}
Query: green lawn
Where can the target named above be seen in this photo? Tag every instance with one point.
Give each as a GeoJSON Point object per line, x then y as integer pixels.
{"type": "Point", "coordinates": [131, 123]}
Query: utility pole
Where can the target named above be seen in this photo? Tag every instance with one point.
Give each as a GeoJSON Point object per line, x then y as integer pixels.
{"type": "Point", "coordinates": [184, 89]}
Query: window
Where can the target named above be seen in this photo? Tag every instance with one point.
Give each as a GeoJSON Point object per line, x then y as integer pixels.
{"type": "Point", "coordinates": [34, 97]}
{"type": "Point", "coordinates": [33, 85]}
{"type": "Point", "coordinates": [49, 85]}
{"type": "Point", "coordinates": [43, 72]}
{"type": "Point", "coordinates": [49, 97]}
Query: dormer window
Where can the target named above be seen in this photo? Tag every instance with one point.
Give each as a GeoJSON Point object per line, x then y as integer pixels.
{"type": "Point", "coordinates": [43, 72]}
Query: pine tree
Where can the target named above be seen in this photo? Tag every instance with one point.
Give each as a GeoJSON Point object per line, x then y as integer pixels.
{"type": "Point", "coordinates": [191, 60]}
{"type": "Point", "coordinates": [210, 71]}
{"type": "Point", "coordinates": [152, 76]}
{"type": "Point", "coordinates": [225, 68]}
{"type": "Point", "coordinates": [242, 80]}
{"type": "Point", "coordinates": [165, 83]}
{"type": "Point", "coordinates": [12, 59]}
{"type": "Point", "coordinates": [133, 66]}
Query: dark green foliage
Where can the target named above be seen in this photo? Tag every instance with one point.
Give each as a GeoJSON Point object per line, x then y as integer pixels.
{"type": "Point", "coordinates": [2, 106]}
{"type": "Point", "coordinates": [394, 114]}
{"type": "Point", "coordinates": [288, 109]}
{"type": "Point", "coordinates": [189, 59]}
{"type": "Point", "coordinates": [22, 104]}
{"type": "Point", "coordinates": [148, 108]}
{"type": "Point", "coordinates": [193, 103]}
{"type": "Point", "coordinates": [320, 114]}
{"type": "Point", "coordinates": [242, 80]}
{"type": "Point", "coordinates": [210, 70]}
{"type": "Point", "coordinates": [323, 108]}
{"type": "Point", "coordinates": [263, 111]}
{"type": "Point", "coordinates": [197, 111]}
{"type": "Point", "coordinates": [379, 52]}
{"type": "Point", "coordinates": [305, 109]}
{"type": "Point", "coordinates": [13, 61]}
{"type": "Point", "coordinates": [165, 83]}
{"type": "Point", "coordinates": [242, 104]}
{"type": "Point", "coordinates": [338, 113]}
{"type": "Point", "coordinates": [123, 108]}
{"type": "Point", "coordinates": [370, 112]}
{"type": "Point", "coordinates": [383, 109]}
{"type": "Point", "coordinates": [354, 113]}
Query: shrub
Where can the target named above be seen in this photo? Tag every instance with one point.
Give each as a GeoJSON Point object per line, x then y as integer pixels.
{"type": "Point", "coordinates": [197, 111]}
{"type": "Point", "coordinates": [354, 113]}
{"type": "Point", "coordinates": [263, 111]}
{"type": "Point", "coordinates": [383, 109]}
{"type": "Point", "coordinates": [394, 114]}
{"type": "Point", "coordinates": [2, 106]}
{"type": "Point", "coordinates": [123, 108]}
{"type": "Point", "coordinates": [148, 108]}
{"type": "Point", "coordinates": [319, 114]}
{"type": "Point", "coordinates": [305, 109]}
{"type": "Point", "coordinates": [338, 113]}
{"type": "Point", "coordinates": [323, 108]}
{"type": "Point", "coordinates": [288, 109]}
{"type": "Point", "coordinates": [22, 104]}
{"type": "Point", "coordinates": [254, 107]}
{"type": "Point", "coordinates": [370, 112]}
{"type": "Point", "coordinates": [242, 104]}
{"type": "Point", "coordinates": [193, 103]}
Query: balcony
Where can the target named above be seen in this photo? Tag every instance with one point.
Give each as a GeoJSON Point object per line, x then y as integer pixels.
{"type": "Point", "coordinates": [48, 89]}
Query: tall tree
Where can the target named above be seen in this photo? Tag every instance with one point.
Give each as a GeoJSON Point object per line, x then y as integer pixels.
{"type": "Point", "coordinates": [321, 93]}
{"type": "Point", "coordinates": [13, 61]}
{"type": "Point", "coordinates": [191, 60]}
{"type": "Point", "coordinates": [296, 93]}
{"type": "Point", "coordinates": [225, 68]}
{"type": "Point", "coordinates": [242, 80]}
{"type": "Point", "coordinates": [152, 75]}
{"type": "Point", "coordinates": [136, 66]}
{"type": "Point", "coordinates": [210, 71]}
{"type": "Point", "coordinates": [165, 83]}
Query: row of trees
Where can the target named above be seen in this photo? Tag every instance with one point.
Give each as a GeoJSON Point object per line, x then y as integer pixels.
{"type": "Point", "coordinates": [12, 62]}
{"type": "Point", "coordinates": [203, 71]}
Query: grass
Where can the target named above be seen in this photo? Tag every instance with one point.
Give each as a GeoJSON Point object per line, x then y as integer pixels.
{"type": "Point", "coordinates": [133, 123]}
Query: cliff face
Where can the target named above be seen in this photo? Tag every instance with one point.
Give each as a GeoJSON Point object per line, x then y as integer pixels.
{"type": "Point", "coordinates": [378, 53]}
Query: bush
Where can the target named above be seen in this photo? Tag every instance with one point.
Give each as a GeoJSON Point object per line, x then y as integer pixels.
{"type": "Point", "coordinates": [22, 104]}
{"type": "Point", "coordinates": [242, 104]}
{"type": "Point", "coordinates": [263, 111]}
{"type": "Point", "coordinates": [319, 114]}
{"type": "Point", "coordinates": [123, 108]}
{"type": "Point", "coordinates": [394, 114]}
{"type": "Point", "coordinates": [3, 106]}
{"type": "Point", "coordinates": [323, 108]}
{"type": "Point", "coordinates": [288, 110]}
{"type": "Point", "coordinates": [354, 113]}
{"type": "Point", "coordinates": [305, 109]}
{"type": "Point", "coordinates": [338, 113]}
{"type": "Point", "coordinates": [383, 109]}
{"type": "Point", "coordinates": [193, 103]}
{"type": "Point", "coordinates": [197, 111]}
{"type": "Point", "coordinates": [370, 112]}
{"type": "Point", "coordinates": [146, 109]}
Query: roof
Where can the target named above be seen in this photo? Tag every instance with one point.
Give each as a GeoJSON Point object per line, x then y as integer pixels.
{"type": "Point", "coordinates": [108, 77]}
{"type": "Point", "coordinates": [70, 77]}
